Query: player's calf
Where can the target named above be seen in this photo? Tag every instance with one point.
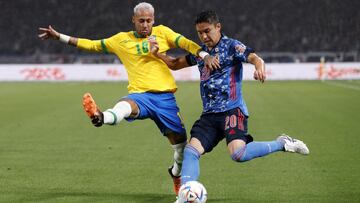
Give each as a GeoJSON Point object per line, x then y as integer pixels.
{"type": "Point", "coordinates": [120, 111]}
{"type": "Point", "coordinates": [254, 150]}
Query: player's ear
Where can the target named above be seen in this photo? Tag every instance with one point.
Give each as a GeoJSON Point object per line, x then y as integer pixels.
{"type": "Point", "coordinates": [218, 26]}
{"type": "Point", "coordinates": [133, 19]}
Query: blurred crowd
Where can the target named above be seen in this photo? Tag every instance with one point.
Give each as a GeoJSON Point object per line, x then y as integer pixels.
{"type": "Point", "coordinates": [279, 30]}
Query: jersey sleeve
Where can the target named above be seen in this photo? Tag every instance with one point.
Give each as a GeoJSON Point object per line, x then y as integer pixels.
{"type": "Point", "coordinates": [191, 60]}
{"type": "Point", "coordinates": [179, 41]}
{"type": "Point", "coordinates": [104, 45]}
{"type": "Point", "coordinates": [241, 52]}
{"type": "Point", "coordinates": [89, 45]}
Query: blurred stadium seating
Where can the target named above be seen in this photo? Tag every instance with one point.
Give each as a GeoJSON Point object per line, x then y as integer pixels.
{"type": "Point", "coordinates": [280, 30]}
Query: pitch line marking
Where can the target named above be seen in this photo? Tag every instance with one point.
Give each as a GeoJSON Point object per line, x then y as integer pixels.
{"type": "Point", "coordinates": [338, 84]}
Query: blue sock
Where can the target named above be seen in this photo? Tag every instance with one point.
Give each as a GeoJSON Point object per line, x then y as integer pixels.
{"type": "Point", "coordinates": [190, 169]}
{"type": "Point", "coordinates": [256, 149]}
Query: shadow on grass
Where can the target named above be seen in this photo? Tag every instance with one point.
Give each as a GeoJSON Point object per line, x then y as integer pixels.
{"type": "Point", "coordinates": [97, 197]}
{"type": "Point", "coordinates": [104, 197]}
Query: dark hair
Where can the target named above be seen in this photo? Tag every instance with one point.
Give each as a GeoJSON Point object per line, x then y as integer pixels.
{"type": "Point", "coordinates": [208, 16]}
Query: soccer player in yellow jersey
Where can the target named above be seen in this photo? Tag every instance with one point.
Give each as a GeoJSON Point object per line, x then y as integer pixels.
{"type": "Point", "coordinates": [151, 84]}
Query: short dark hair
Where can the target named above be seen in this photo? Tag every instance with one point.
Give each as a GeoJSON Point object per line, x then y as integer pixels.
{"type": "Point", "coordinates": [208, 16]}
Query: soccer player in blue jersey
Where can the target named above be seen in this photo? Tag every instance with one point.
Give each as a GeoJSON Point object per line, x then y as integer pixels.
{"type": "Point", "coordinates": [225, 114]}
{"type": "Point", "coordinates": [151, 84]}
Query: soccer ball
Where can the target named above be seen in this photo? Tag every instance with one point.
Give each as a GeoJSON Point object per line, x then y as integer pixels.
{"type": "Point", "coordinates": [192, 192]}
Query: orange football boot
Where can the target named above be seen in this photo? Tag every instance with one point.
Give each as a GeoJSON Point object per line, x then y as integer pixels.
{"type": "Point", "coordinates": [91, 109]}
{"type": "Point", "coordinates": [176, 181]}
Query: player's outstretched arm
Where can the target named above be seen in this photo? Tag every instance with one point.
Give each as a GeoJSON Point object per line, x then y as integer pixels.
{"type": "Point", "coordinates": [181, 62]}
{"type": "Point", "coordinates": [259, 73]}
{"type": "Point", "coordinates": [80, 43]}
{"type": "Point", "coordinates": [51, 33]}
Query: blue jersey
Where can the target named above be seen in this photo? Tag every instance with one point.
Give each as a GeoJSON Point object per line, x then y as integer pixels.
{"type": "Point", "coordinates": [221, 89]}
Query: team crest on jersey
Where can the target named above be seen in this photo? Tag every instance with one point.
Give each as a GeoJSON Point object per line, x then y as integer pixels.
{"type": "Point", "coordinates": [240, 48]}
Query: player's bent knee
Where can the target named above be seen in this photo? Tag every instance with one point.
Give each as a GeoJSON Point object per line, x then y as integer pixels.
{"type": "Point", "coordinates": [236, 159]}
{"type": "Point", "coordinates": [130, 106]}
{"type": "Point", "coordinates": [175, 138]}
{"type": "Point", "coordinates": [238, 155]}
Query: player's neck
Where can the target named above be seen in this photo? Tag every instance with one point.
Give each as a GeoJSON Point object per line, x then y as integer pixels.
{"type": "Point", "coordinates": [215, 44]}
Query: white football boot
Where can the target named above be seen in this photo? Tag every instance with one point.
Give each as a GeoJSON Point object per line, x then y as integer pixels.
{"type": "Point", "coordinates": [293, 145]}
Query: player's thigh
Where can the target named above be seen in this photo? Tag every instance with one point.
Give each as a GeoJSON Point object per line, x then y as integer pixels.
{"type": "Point", "coordinates": [162, 109]}
{"type": "Point", "coordinates": [206, 131]}
{"type": "Point", "coordinates": [167, 117]}
{"type": "Point", "coordinates": [235, 128]}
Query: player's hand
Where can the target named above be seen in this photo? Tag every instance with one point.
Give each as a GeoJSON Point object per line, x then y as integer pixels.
{"type": "Point", "coordinates": [212, 62]}
{"type": "Point", "coordinates": [48, 33]}
{"type": "Point", "coordinates": [259, 75]}
{"type": "Point", "coordinates": [154, 46]}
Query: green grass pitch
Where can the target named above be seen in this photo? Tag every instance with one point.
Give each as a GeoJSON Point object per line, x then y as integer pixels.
{"type": "Point", "coordinates": [49, 151]}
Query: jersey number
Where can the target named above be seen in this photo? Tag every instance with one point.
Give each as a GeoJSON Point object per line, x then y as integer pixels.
{"type": "Point", "coordinates": [233, 121]}
{"type": "Point", "coordinates": [143, 48]}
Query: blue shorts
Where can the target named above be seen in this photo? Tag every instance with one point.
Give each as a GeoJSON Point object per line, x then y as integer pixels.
{"type": "Point", "coordinates": [161, 108]}
{"type": "Point", "coordinates": [211, 128]}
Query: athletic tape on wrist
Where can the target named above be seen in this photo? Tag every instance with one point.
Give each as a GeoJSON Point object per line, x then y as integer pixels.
{"type": "Point", "coordinates": [202, 54]}
{"type": "Point", "coordinates": [64, 38]}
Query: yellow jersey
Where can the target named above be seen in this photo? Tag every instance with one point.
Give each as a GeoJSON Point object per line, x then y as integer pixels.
{"type": "Point", "coordinates": [146, 73]}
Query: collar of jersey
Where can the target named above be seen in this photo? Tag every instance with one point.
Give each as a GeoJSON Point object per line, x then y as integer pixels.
{"type": "Point", "coordinates": [137, 35]}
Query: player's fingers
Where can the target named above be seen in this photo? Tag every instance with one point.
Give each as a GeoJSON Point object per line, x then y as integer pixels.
{"type": "Point", "coordinates": [43, 36]}
{"type": "Point", "coordinates": [216, 61]}
{"type": "Point", "coordinates": [217, 64]}
{"type": "Point", "coordinates": [261, 76]}
{"type": "Point", "coordinates": [261, 79]}
{"type": "Point", "coordinates": [43, 29]}
{"type": "Point", "coordinates": [255, 77]}
{"type": "Point", "coordinates": [52, 30]}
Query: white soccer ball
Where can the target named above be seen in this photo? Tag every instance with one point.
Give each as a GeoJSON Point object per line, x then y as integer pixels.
{"type": "Point", "coordinates": [192, 192]}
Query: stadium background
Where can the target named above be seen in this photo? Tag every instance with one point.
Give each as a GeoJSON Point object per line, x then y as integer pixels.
{"type": "Point", "coordinates": [49, 151]}
{"type": "Point", "coordinates": [282, 31]}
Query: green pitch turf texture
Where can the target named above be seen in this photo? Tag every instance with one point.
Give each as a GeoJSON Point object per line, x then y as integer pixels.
{"type": "Point", "coordinates": [49, 151]}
